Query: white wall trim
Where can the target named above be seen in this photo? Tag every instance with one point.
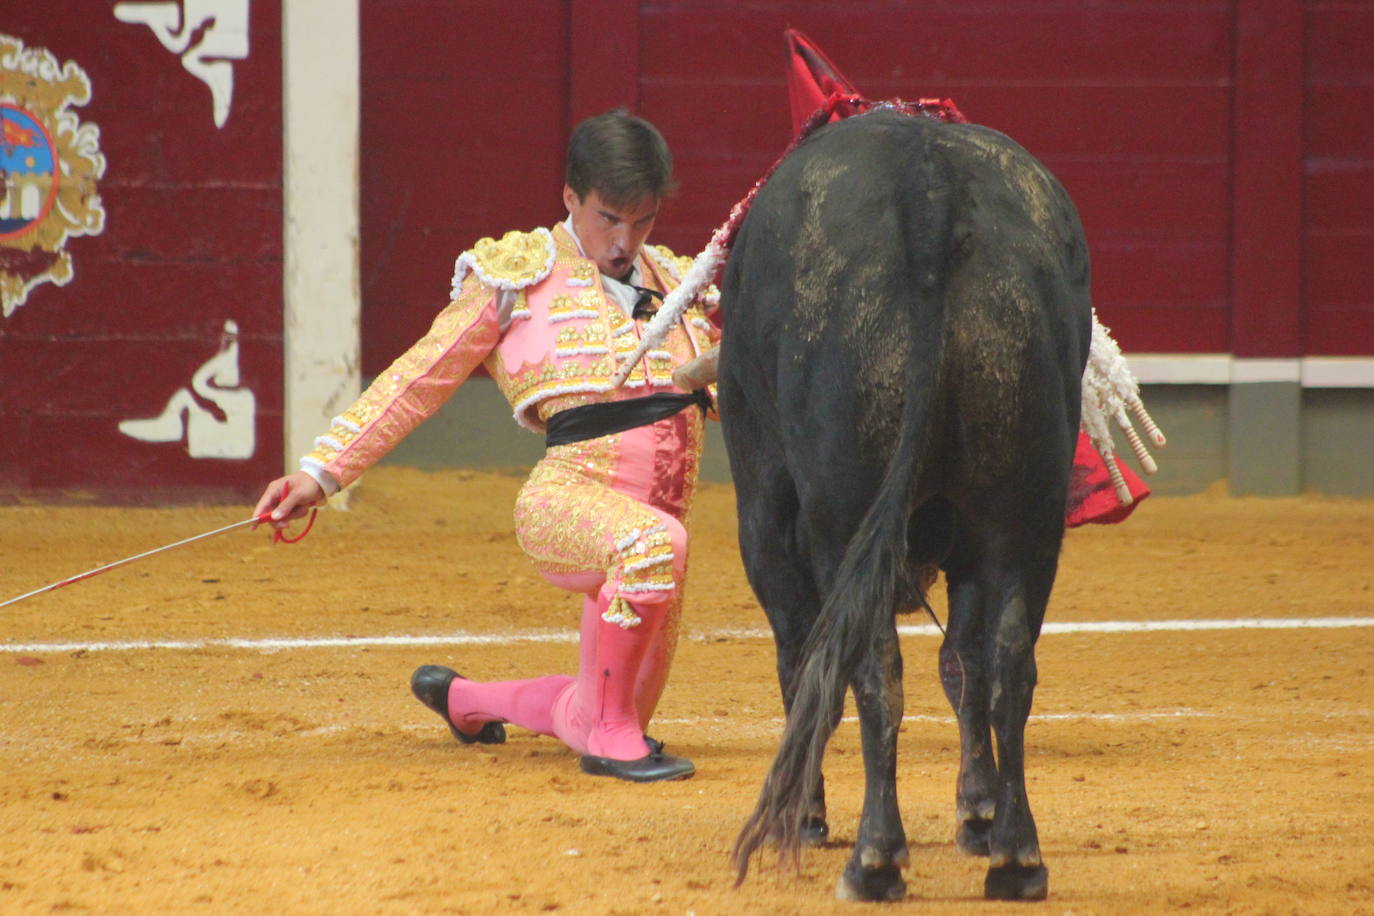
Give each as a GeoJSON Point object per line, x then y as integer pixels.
{"type": "Point", "coordinates": [321, 289]}
{"type": "Point", "coordinates": [1180, 368]}
{"type": "Point", "coordinates": [1338, 372]}
{"type": "Point", "coordinates": [1266, 370]}
{"type": "Point", "coordinates": [1225, 369]}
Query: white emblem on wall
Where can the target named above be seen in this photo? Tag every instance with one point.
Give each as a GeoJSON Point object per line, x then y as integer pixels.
{"type": "Point", "coordinates": [221, 27]}
{"type": "Point", "coordinates": [207, 435]}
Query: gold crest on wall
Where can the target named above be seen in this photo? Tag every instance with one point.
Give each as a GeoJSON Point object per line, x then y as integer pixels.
{"type": "Point", "coordinates": [50, 164]}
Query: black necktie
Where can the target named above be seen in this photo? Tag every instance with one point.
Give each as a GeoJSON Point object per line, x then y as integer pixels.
{"type": "Point", "coordinates": [645, 307]}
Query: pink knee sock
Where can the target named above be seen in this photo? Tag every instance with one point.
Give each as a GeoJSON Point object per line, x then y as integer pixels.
{"type": "Point", "coordinates": [600, 716]}
{"type": "Point", "coordinates": [658, 659]}
{"type": "Point", "coordinates": [528, 703]}
{"type": "Point", "coordinates": [603, 710]}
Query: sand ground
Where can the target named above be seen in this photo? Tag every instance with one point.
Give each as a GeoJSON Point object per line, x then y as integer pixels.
{"type": "Point", "coordinates": [227, 728]}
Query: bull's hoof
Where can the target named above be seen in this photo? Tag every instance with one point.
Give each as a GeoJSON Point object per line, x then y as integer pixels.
{"type": "Point", "coordinates": [1017, 882]}
{"type": "Point", "coordinates": [973, 837]}
{"type": "Point", "coordinates": [882, 884]}
{"type": "Point", "coordinates": [814, 831]}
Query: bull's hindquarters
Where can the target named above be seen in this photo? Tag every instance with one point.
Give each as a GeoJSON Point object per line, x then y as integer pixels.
{"type": "Point", "coordinates": [900, 378]}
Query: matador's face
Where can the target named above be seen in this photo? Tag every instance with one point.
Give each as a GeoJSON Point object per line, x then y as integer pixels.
{"type": "Point", "coordinates": [610, 236]}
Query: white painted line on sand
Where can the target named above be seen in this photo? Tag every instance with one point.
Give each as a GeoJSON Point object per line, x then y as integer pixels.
{"type": "Point", "coordinates": [1253, 623]}
{"type": "Point", "coordinates": [283, 643]}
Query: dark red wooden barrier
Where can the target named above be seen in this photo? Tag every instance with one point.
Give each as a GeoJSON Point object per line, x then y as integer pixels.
{"type": "Point", "coordinates": [174, 308]}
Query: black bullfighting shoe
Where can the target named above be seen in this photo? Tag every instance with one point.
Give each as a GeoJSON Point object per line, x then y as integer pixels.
{"type": "Point", "coordinates": [430, 683]}
{"type": "Point", "coordinates": [654, 766]}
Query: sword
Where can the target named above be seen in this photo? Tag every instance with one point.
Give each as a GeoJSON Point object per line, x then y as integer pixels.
{"type": "Point", "coordinates": [277, 536]}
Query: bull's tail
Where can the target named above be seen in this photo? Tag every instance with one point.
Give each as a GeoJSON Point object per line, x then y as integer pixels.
{"type": "Point", "coordinates": [861, 599]}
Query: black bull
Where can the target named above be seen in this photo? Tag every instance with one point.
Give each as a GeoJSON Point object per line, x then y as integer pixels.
{"type": "Point", "coordinates": [908, 319]}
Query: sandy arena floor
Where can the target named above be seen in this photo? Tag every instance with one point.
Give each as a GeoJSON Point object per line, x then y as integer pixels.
{"type": "Point", "coordinates": [152, 764]}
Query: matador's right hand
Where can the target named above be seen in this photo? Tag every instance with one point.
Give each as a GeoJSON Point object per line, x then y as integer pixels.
{"type": "Point", "coordinates": [287, 498]}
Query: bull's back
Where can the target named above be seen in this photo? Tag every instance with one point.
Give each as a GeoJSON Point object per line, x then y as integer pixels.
{"type": "Point", "coordinates": [892, 254]}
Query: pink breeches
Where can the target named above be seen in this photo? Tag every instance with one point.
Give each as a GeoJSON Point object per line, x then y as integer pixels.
{"type": "Point", "coordinates": [604, 517]}
{"type": "Point", "coordinates": [609, 511]}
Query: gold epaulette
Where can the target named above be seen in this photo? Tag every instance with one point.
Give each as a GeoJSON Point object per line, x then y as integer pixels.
{"type": "Point", "coordinates": [677, 264]}
{"type": "Point", "coordinates": [515, 261]}
{"type": "Point", "coordinates": [677, 267]}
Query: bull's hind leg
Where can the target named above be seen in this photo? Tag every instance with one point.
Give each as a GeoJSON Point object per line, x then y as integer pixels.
{"type": "Point", "coordinates": [1015, 869]}
{"type": "Point", "coordinates": [963, 674]}
{"type": "Point", "coordinates": [789, 600]}
{"type": "Point", "coordinates": [774, 560]}
{"type": "Point", "coordinates": [997, 602]}
{"type": "Point", "coordinates": [875, 870]}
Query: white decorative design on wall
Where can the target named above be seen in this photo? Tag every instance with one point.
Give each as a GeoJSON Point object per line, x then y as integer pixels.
{"type": "Point", "coordinates": [186, 416]}
{"type": "Point", "coordinates": [221, 27]}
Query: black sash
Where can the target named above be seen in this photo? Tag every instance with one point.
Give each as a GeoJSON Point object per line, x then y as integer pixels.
{"type": "Point", "coordinates": [591, 421]}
